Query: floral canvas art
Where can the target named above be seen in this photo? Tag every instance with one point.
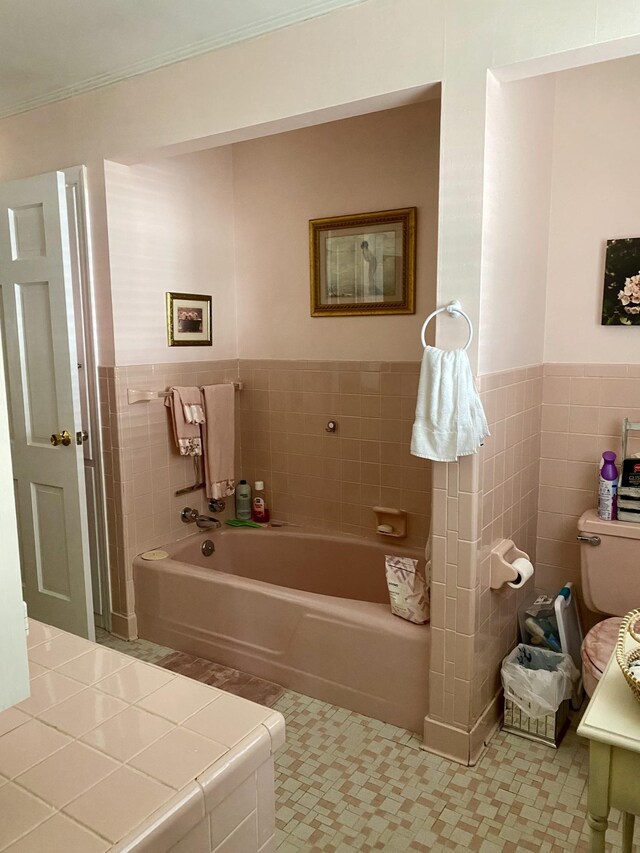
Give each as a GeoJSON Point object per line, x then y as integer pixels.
{"type": "Point", "coordinates": [621, 301]}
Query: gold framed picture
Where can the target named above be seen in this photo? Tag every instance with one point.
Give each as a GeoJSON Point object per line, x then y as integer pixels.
{"type": "Point", "coordinates": [188, 320]}
{"type": "Point", "coordinates": [363, 263]}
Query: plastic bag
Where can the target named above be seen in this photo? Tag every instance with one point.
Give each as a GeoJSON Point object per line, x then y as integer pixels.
{"type": "Point", "coordinates": [408, 589]}
{"type": "Point", "coordinates": [538, 680]}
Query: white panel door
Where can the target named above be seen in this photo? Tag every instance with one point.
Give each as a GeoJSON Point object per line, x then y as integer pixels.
{"type": "Point", "coordinates": [14, 669]}
{"type": "Point", "coordinates": [38, 336]}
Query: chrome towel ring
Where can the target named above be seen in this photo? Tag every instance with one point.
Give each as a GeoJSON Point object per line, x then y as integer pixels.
{"type": "Point", "coordinates": [454, 309]}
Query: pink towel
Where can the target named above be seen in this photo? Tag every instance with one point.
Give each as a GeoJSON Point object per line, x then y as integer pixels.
{"type": "Point", "coordinates": [219, 440]}
{"type": "Point", "coordinates": [187, 415]}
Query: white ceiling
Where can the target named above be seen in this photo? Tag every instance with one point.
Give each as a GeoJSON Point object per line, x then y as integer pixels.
{"type": "Point", "coordinates": [52, 49]}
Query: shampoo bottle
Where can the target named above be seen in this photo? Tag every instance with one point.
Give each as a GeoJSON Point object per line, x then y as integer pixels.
{"type": "Point", "coordinates": [607, 491]}
{"type": "Point", "coordinates": [243, 501]}
{"type": "Point", "coordinates": [260, 510]}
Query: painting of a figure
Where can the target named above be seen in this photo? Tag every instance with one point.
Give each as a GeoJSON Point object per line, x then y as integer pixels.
{"type": "Point", "coordinates": [363, 263]}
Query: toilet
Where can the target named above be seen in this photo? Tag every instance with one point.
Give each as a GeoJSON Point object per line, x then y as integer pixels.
{"type": "Point", "coordinates": [610, 570]}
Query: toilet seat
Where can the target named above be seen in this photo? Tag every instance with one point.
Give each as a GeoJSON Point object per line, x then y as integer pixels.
{"type": "Point", "coordinates": [596, 651]}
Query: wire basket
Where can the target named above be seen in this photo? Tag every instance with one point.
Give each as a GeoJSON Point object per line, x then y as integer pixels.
{"type": "Point", "coordinates": [625, 659]}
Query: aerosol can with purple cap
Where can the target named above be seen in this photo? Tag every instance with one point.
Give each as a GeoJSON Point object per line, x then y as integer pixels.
{"type": "Point", "coordinates": [608, 487]}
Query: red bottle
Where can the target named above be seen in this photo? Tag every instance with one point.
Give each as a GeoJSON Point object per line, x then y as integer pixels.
{"type": "Point", "coordinates": [259, 508]}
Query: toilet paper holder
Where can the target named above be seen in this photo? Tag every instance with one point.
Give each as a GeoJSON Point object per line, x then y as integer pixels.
{"type": "Point", "coordinates": [501, 563]}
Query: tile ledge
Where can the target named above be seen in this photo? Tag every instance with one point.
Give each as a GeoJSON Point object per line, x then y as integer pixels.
{"type": "Point", "coordinates": [231, 769]}
{"type": "Point", "coordinates": [156, 834]}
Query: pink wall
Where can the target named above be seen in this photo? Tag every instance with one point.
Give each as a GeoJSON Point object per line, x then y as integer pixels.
{"type": "Point", "coordinates": [476, 502]}
{"type": "Point", "coordinates": [332, 481]}
{"type": "Point", "coordinates": [582, 412]}
{"type": "Point", "coordinates": [370, 50]}
{"type": "Point", "coordinates": [559, 183]}
{"type": "Point", "coordinates": [375, 162]}
{"type": "Point", "coordinates": [143, 470]}
{"type": "Point", "coordinates": [595, 196]}
{"type": "Point", "coordinates": [170, 228]}
{"type": "Point", "coordinates": [510, 462]}
{"type": "Point", "coordinates": [280, 80]}
{"type": "Point", "coordinates": [516, 222]}
{"type": "Point", "coordinates": [233, 222]}
{"type": "Point", "coordinates": [177, 224]}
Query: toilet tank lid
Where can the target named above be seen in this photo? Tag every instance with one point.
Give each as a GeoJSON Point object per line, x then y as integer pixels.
{"type": "Point", "coordinates": [590, 522]}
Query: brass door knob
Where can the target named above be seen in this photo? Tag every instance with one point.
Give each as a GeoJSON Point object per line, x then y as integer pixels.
{"type": "Point", "coordinates": [61, 438]}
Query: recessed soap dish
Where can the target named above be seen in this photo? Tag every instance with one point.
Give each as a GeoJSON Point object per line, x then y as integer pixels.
{"type": "Point", "coordinates": [391, 522]}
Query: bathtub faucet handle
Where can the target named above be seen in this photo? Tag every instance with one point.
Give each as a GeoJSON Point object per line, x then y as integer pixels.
{"type": "Point", "coordinates": [189, 515]}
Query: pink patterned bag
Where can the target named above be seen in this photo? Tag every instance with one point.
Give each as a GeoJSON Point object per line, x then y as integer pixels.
{"type": "Point", "coordinates": [408, 589]}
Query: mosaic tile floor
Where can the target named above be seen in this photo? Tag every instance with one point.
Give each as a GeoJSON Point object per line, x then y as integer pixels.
{"type": "Point", "coordinates": [349, 784]}
{"type": "Point", "coordinates": [141, 649]}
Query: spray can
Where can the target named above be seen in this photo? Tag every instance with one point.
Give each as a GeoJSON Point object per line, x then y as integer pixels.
{"type": "Point", "coordinates": [608, 487]}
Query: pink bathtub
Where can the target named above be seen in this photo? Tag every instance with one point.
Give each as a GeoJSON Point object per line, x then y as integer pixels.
{"type": "Point", "coordinates": [308, 611]}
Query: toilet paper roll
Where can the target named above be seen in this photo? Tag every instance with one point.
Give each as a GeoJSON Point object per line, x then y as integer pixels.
{"type": "Point", "coordinates": [524, 568]}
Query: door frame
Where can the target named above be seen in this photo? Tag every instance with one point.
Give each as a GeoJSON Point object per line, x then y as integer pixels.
{"type": "Point", "coordinates": [86, 327]}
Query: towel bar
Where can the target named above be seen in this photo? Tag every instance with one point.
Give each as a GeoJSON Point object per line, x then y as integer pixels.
{"type": "Point", "coordinates": [140, 396]}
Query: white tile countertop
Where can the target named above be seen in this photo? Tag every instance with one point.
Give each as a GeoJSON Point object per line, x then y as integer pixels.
{"type": "Point", "coordinates": [115, 754]}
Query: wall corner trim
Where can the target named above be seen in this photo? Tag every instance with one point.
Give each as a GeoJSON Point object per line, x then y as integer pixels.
{"type": "Point", "coordinates": [464, 747]}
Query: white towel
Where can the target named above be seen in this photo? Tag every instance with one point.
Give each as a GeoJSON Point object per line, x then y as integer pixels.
{"type": "Point", "coordinates": [219, 440]}
{"type": "Point", "coordinates": [450, 421]}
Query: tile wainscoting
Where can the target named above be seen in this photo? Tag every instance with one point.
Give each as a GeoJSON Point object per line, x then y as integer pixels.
{"type": "Point", "coordinates": [583, 407]}
{"type": "Point", "coordinates": [332, 481]}
{"type": "Point", "coordinates": [323, 480]}
{"type": "Point", "coordinates": [143, 470]}
{"type": "Point", "coordinates": [477, 501]}
{"type": "Point", "coordinates": [530, 482]}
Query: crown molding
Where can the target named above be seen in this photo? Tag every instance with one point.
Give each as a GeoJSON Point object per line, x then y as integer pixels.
{"type": "Point", "coordinates": [310, 10]}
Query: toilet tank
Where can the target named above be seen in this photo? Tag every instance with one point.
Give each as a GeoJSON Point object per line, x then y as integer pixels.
{"type": "Point", "coordinates": [610, 570]}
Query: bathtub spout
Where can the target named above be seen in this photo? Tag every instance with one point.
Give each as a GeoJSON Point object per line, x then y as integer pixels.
{"type": "Point", "coordinates": [208, 522]}
{"type": "Point", "coordinates": [204, 522]}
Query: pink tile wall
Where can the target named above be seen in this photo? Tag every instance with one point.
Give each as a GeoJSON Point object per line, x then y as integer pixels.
{"type": "Point", "coordinates": [477, 501]}
{"type": "Point", "coordinates": [143, 469]}
{"type": "Point", "coordinates": [509, 510]}
{"type": "Point", "coordinates": [530, 483]}
{"type": "Point", "coordinates": [331, 481]}
{"type": "Point", "coordinates": [312, 477]}
{"type": "Point", "coordinates": [454, 590]}
{"type": "Point", "coordinates": [583, 407]}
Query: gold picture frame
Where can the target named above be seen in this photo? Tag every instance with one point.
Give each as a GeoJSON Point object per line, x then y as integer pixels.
{"type": "Point", "coordinates": [363, 263]}
{"type": "Point", "coordinates": [188, 320]}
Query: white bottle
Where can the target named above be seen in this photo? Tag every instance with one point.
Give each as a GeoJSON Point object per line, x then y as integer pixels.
{"type": "Point", "coordinates": [243, 501]}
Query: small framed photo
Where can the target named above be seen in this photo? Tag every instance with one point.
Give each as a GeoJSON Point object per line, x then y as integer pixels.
{"type": "Point", "coordinates": [363, 263]}
{"type": "Point", "coordinates": [188, 320]}
{"type": "Point", "coordinates": [621, 297]}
